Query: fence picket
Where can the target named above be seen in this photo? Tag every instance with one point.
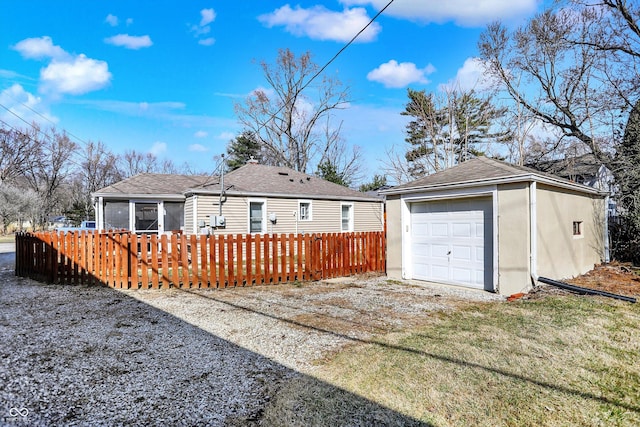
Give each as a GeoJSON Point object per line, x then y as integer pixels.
{"type": "Point", "coordinates": [126, 260]}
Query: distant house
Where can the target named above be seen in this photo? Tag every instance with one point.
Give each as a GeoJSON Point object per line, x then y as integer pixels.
{"type": "Point", "coordinates": [584, 169]}
{"type": "Point", "coordinates": [490, 225]}
{"type": "Point", "coordinates": [252, 199]}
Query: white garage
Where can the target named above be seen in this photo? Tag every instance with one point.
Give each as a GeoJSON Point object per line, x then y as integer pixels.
{"type": "Point", "coordinates": [451, 242]}
{"type": "Point", "coordinates": [487, 224]}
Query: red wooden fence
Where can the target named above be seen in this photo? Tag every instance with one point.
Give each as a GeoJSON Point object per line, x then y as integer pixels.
{"type": "Point", "coordinates": [131, 261]}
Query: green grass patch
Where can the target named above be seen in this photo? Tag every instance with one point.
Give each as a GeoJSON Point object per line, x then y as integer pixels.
{"type": "Point", "coordinates": [562, 360]}
{"type": "Point", "coordinates": [8, 238]}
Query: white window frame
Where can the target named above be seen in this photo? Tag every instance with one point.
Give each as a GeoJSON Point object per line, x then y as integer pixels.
{"type": "Point", "coordinates": [132, 216]}
{"type": "Point", "coordinates": [309, 210]}
{"type": "Point", "coordinates": [577, 229]}
{"type": "Point", "coordinates": [350, 227]}
{"type": "Point", "coordinates": [264, 216]}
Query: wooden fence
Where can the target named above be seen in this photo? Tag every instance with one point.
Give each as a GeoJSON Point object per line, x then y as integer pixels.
{"type": "Point", "coordinates": [127, 260]}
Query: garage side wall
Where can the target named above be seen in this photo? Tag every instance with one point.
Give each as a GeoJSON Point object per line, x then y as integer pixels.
{"type": "Point", "coordinates": [394, 237]}
{"type": "Point", "coordinates": [513, 238]}
{"type": "Point", "coordinates": [561, 253]}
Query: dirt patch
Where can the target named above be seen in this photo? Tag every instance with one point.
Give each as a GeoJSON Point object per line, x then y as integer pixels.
{"type": "Point", "coordinates": [615, 277]}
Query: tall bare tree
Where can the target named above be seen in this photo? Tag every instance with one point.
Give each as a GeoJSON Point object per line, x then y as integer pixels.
{"type": "Point", "coordinates": [287, 118]}
{"type": "Point", "coordinates": [49, 171]}
{"type": "Point", "coordinates": [579, 65]}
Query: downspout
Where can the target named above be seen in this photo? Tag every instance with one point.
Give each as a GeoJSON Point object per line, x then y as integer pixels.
{"type": "Point", "coordinates": [533, 236]}
{"type": "Point", "coordinates": [607, 255]}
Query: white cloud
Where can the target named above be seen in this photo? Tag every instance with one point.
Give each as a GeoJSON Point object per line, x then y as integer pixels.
{"type": "Point", "coordinates": [226, 136]}
{"type": "Point", "coordinates": [208, 16]}
{"type": "Point", "coordinates": [470, 76]}
{"type": "Point", "coordinates": [77, 76]}
{"type": "Point", "coordinates": [320, 23]}
{"type": "Point", "coordinates": [23, 104]}
{"type": "Point", "coordinates": [396, 75]}
{"type": "Point", "coordinates": [39, 48]}
{"type": "Point", "coordinates": [201, 134]}
{"type": "Point", "coordinates": [198, 148]}
{"type": "Point", "coordinates": [207, 42]}
{"type": "Point", "coordinates": [129, 42]}
{"type": "Point", "coordinates": [462, 12]}
{"type": "Point", "coordinates": [158, 148]}
{"type": "Point", "coordinates": [129, 21]}
{"type": "Point", "coordinates": [111, 20]}
{"type": "Point", "coordinates": [65, 73]}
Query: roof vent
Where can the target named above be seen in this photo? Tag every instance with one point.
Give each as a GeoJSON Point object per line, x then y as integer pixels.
{"type": "Point", "coordinates": [283, 173]}
{"type": "Point", "coordinates": [252, 161]}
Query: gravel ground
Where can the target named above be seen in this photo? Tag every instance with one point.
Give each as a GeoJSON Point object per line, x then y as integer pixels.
{"type": "Point", "coordinates": [78, 355]}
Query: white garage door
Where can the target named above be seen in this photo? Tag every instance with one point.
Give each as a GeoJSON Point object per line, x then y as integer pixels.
{"type": "Point", "coordinates": [451, 242]}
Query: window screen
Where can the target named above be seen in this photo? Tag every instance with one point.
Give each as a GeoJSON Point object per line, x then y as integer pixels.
{"type": "Point", "coordinates": [173, 216]}
{"type": "Point", "coordinates": [116, 215]}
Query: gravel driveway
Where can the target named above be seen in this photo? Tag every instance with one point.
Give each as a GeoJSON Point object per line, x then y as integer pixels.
{"type": "Point", "coordinates": [78, 355]}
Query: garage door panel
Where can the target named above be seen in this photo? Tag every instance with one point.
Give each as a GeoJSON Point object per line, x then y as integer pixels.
{"type": "Point", "coordinates": [439, 251]}
{"type": "Point", "coordinates": [449, 240]}
{"type": "Point", "coordinates": [461, 253]}
{"type": "Point", "coordinates": [461, 230]}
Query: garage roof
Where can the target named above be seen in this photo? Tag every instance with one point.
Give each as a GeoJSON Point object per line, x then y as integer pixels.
{"type": "Point", "coordinates": [484, 171]}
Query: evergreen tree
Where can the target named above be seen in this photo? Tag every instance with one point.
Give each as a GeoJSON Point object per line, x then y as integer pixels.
{"type": "Point", "coordinates": [244, 147]}
{"type": "Point", "coordinates": [378, 182]}
{"type": "Point", "coordinates": [329, 172]}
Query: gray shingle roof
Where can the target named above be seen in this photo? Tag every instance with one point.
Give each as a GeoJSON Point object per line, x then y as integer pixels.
{"type": "Point", "coordinates": [478, 171]}
{"type": "Point", "coordinates": [274, 180]}
{"type": "Point", "coordinates": [250, 179]}
{"type": "Point", "coordinates": [153, 183]}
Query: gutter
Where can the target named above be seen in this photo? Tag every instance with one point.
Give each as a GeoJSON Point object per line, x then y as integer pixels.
{"type": "Point", "coordinates": [504, 180]}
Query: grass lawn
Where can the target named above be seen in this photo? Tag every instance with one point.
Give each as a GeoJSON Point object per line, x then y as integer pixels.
{"type": "Point", "coordinates": [7, 238]}
{"type": "Point", "coordinates": [553, 360]}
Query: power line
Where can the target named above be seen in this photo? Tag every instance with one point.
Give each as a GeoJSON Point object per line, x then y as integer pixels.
{"type": "Point", "coordinates": [346, 45]}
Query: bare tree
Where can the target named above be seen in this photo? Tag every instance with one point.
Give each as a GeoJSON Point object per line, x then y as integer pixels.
{"type": "Point", "coordinates": [287, 118]}
{"type": "Point", "coordinates": [17, 148]}
{"type": "Point", "coordinates": [579, 66]}
{"type": "Point", "coordinates": [48, 172]}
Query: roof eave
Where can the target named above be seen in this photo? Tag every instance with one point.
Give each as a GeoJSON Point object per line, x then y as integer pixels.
{"type": "Point", "coordinates": [284, 195]}
{"type": "Point", "coordinates": [495, 181]}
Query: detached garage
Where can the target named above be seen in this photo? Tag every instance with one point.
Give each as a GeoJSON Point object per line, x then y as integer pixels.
{"type": "Point", "coordinates": [490, 225]}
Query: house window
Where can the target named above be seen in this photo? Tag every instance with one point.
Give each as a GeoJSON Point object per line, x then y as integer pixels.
{"type": "Point", "coordinates": [304, 211]}
{"type": "Point", "coordinates": [257, 218]}
{"type": "Point", "coordinates": [173, 216]}
{"type": "Point", "coordinates": [146, 217]}
{"type": "Point", "coordinates": [346, 217]}
{"type": "Point", "coordinates": [577, 228]}
{"type": "Point", "coordinates": [116, 215]}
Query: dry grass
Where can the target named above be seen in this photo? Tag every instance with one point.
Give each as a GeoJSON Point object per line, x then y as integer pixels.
{"type": "Point", "coordinates": [554, 360]}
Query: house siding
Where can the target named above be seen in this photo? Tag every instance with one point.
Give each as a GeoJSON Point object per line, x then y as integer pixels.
{"type": "Point", "coordinates": [188, 215]}
{"type": "Point", "coordinates": [560, 254]}
{"type": "Point", "coordinates": [514, 243]}
{"type": "Point", "coordinates": [326, 215]}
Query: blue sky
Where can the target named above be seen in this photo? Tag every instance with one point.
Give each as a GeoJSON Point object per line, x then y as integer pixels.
{"type": "Point", "coordinates": [163, 76]}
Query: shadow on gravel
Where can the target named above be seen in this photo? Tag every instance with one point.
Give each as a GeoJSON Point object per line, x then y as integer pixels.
{"type": "Point", "coordinates": [80, 355]}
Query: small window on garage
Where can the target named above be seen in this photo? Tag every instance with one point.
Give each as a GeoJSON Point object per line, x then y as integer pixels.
{"type": "Point", "coordinates": [577, 228]}
{"type": "Point", "coordinates": [304, 209]}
